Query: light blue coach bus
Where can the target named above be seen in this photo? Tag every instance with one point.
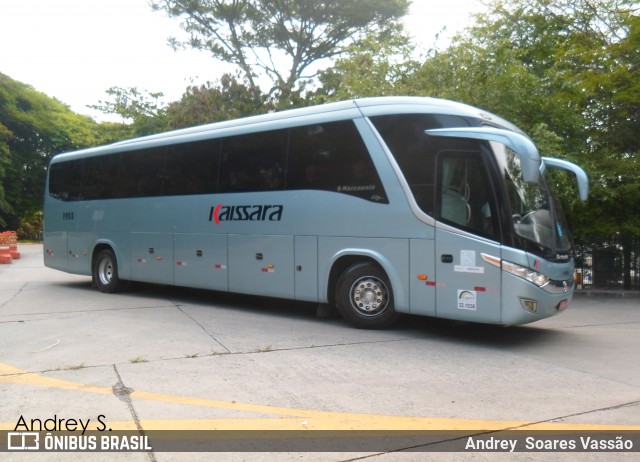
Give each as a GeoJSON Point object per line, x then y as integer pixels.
{"type": "Point", "coordinates": [378, 206]}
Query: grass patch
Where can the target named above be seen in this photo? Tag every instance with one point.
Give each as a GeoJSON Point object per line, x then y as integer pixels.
{"type": "Point", "coordinates": [75, 368]}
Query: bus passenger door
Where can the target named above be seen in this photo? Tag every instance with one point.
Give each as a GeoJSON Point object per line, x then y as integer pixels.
{"type": "Point", "coordinates": [467, 287]}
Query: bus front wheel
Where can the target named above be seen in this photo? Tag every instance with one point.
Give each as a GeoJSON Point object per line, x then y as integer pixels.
{"type": "Point", "coordinates": [364, 297]}
{"type": "Point", "coordinates": [105, 272]}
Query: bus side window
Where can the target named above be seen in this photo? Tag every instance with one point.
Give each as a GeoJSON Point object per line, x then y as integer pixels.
{"type": "Point", "coordinates": [333, 157]}
{"type": "Point", "coordinates": [142, 172]}
{"type": "Point", "coordinates": [101, 177]}
{"type": "Point", "coordinates": [65, 180]}
{"type": "Point", "coordinates": [465, 195]}
{"type": "Point", "coordinates": [192, 168]}
{"type": "Point", "coordinates": [254, 162]}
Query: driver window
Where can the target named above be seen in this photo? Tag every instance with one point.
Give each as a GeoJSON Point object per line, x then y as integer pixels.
{"type": "Point", "coordinates": [465, 194]}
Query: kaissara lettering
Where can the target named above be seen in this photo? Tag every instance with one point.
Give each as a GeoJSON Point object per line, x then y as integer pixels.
{"type": "Point", "coordinates": [221, 212]}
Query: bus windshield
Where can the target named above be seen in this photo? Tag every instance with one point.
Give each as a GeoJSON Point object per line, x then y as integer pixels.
{"type": "Point", "coordinates": [536, 214]}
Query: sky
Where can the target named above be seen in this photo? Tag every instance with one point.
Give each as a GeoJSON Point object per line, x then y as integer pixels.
{"type": "Point", "coordinates": [74, 50]}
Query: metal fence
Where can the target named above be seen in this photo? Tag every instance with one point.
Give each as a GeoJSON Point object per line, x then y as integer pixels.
{"type": "Point", "coordinates": [608, 268]}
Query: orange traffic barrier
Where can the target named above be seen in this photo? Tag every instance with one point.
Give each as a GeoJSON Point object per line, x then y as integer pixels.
{"type": "Point", "coordinates": [8, 247]}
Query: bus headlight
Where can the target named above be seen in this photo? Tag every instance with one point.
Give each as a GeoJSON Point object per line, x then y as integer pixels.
{"type": "Point", "coordinates": [530, 275]}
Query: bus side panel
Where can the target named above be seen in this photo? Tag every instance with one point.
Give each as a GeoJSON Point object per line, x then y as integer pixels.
{"type": "Point", "coordinates": [55, 250]}
{"type": "Point", "coordinates": [57, 224]}
{"type": "Point", "coordinates": [201, 261]}
{"type": "Point", "coordinates": [306, 265]}
{"type": "Point", "coordinates": [79, 238]}
{"type": "Point", "coordinates": [79, 253]}
{"type": "Point", "coordinates": [261, 265]}
{"type": "Point", "coordinates": [422, 277]}
{"type": "Point", "coordinates": [391, 254]}
{"type": "Point", "coordinates": [152, 257]}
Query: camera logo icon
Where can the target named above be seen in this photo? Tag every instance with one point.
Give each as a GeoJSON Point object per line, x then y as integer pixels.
{"type": "Point", "coordinates": [23, 441]}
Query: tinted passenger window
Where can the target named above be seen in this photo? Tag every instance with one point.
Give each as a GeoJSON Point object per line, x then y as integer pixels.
{"type": "Point", "coordinates": [142, 173]}
{"type": "Point", "coordinates": [254, 162]}
{"type": "Point", "coordinates": [333, 157]}
{"type": "Point", "coordinates": [101, 178]}
{"type": "Point", "coordinates": [192, 168]}
{"type": "Point", "coordinates": [65, 180]}
{"type": "Point", "coordinates": [330, 156]}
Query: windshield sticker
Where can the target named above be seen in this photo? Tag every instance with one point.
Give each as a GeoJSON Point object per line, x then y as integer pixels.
{"type": "Point", "coordinates": [467, 258]}
{"type": "Point", "coordinates": [468, 263]}
{"type": "Point", "coordinates": [467, 300]}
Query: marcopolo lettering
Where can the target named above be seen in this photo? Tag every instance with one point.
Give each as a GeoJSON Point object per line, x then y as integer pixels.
{"type": "Point", "coordinates": [245, 213]}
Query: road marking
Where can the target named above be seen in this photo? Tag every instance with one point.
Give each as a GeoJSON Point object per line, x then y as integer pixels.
{"type": "Point", "coordinates": [285, 418]}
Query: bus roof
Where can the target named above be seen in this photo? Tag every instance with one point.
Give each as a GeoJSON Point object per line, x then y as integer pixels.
{"type": "Point", "coordinates": [301, 116]}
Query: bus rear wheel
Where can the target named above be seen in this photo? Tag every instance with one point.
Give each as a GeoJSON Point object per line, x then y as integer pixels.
{"type": "Point", "coordinates": [105, 272]}
{"type": "Point", "coordinates": [364, 297]}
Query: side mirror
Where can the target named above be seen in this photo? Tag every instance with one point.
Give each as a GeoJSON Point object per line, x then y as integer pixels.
{"type": "Point", "coordinates": [581, 176]}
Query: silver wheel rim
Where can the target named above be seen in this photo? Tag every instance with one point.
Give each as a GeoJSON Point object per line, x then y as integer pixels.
{"type": "Point", "coordinates": [369, 296]}
{"type": "Point", "coordinates": [105, 271]}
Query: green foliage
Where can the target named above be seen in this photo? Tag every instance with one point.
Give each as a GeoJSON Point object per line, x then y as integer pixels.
{"type": "Point", "coordinates": [227, 99]}
{"type": "Point", "coordinates": [33, 127]}
{"type": "Point", "coordinates": [141, 110]}
{"type": "Point", "coordinates": [484, 68]}
{"type": "Point", "coordinates": [257, 36]}
{"type": "Point", "coordinates": [31, 226]}
{"type": "Point", "coordinates": [5, 137]}
{"type": "Point", "coordinates": [230, 99]}
{"type": "Point", "coordinates": [377, 65]}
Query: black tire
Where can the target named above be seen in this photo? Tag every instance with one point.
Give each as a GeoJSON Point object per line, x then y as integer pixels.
{"type": "Point", "coordinates": [364, 297]}
{"type": "Point", "coordinates": [105, 273]}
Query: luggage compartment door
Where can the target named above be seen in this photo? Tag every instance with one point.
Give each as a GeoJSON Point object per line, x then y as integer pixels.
{"type": "Point", "coordinates": [261, 265]}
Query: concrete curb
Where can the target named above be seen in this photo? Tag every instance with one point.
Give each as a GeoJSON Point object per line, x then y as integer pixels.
{"type": "Point", "coordinates": [607, 293]}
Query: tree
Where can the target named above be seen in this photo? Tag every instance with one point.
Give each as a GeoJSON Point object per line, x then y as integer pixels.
{"type": "Point", "coordinates": [381, 64]}
{"type": "Point", "coordinates": [144, 114]}
{"type": "Point", "coordinates": [5, 137]}
{"type": "Point", "coordinates": [34, 127]}
{"type": "Point", "coordinates": [507, 64]}
{"type": "Point", "coordinates": [279, 39]}
{"type": "Point", "coordinates": [141, 110]}
{"type": "Point", "coordinates": [229, 99]}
